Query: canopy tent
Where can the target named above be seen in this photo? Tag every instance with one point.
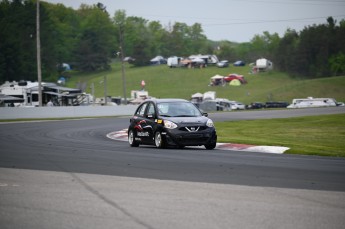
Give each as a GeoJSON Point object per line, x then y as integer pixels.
{"type": "Point", "coordinates": [158, 60]}
{"type": "Point", "coordinates": [209, 95]}
{"type": "Point", "coordinates": [197, 95]}
{"type": "Point", "coordinates": [198, 60]}
{"type": "Point", "coordinates": [217, 77]}
{"type": "Point", "coordinates": [186, 61]}
{"type": "Point", "coordinates": [217, 80]}
{"type": "Point", "coordinates": [235, 82]}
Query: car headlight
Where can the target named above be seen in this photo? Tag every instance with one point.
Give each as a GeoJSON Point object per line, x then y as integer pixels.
{"type": "Point", "coordinates": [169, 125]}
{"type": "Point", "coordinates": [209, 123]}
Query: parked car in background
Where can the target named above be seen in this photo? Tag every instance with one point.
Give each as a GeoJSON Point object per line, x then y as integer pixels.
{"type": "Point", "coordinates": [276, 104]}
{"type": "Point", "coordinates": [237, 105]}
{"type": "Point", "coordinates": [234, 76]}
{"type": "Point", "coordinates": [256, 105]}
{"type": "Point", "coordinates": [128, 59]}
{"type": "Point", "coordinates": [223, 64]}
{"type": "Point", "coordinates": [239, 63]}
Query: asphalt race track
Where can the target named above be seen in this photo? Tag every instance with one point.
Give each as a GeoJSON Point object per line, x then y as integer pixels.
{"type": "Point", "coordinates": [68, 174]}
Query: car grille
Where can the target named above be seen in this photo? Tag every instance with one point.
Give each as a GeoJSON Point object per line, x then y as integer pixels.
{"type": "Point", "coordinates": [192, 128]}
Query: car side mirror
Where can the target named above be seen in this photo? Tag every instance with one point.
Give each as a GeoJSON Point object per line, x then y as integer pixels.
{"type": "Point", "coordinates": [205, 114]}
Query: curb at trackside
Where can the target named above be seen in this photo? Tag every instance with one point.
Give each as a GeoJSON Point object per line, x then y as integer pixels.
{"type": "Point", "coordinates": [122, 136]}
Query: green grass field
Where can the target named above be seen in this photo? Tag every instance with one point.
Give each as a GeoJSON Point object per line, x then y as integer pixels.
{"type": "Point", "coordinates": [318, 135]}
{"type": "Point", "coordinates": [164, 82]}
{"type": "Point", "coordinates": [315, 135]}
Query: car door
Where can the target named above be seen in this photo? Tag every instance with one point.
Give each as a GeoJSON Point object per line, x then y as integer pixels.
{"type": "Point", "coordinates": [144, 122]}
{"type": "Point", "coordinates": [150, 119]}
{"type": "Point", "coordinates": [139, 123]}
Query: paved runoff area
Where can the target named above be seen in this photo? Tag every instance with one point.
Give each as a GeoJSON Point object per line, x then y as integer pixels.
{"type": "Point", "coordinates": [122, 136]}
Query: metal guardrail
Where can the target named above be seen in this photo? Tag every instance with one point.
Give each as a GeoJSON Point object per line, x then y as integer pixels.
{"type": "Point", "coordinates": [64, 112]}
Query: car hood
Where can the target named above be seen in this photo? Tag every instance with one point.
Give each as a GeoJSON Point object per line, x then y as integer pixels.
{"type": "Point", "coordinates": [187, 120]}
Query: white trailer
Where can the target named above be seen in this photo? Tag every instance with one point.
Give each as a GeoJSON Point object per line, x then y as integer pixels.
{"type": "Point", "coordinates": [28, 92]}
{"type": "Point", "coordinates": [209, 59]}
{"type": "Point", "coordinates": [174, 61]}
{"type": "Point", "coordinates": [21, 90]}
{"type": "Point", "coordinates": [263, 65]}
{"type": "Point", "coordinates": [313, 102]}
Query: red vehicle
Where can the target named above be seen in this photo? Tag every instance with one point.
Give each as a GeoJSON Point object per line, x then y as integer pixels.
{"type": "Point", "coordinates": [234, 76]}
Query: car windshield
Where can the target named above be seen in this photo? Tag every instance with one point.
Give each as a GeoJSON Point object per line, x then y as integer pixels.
{"type": "Point", "coordinates": [178, 109]}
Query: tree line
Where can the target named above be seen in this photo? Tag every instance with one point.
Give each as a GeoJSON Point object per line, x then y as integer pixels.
{"type": "Point", "coordinates": [89, 38]}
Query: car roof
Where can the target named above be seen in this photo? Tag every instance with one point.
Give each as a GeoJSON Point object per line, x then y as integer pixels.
{"type": "Point", "coordinates": [167, 100]}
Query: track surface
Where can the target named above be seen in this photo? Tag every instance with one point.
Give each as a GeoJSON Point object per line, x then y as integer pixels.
{"type": "Point", "coordinates": [68, 174]}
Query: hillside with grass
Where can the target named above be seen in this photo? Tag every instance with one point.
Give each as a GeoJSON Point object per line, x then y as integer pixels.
{"type": "Point", "coordinates": [164, 82]}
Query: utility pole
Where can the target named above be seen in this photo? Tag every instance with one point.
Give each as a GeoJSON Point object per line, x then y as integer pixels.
{"type": "Point", "coordinates": [38, 45]}
{"type": "Point", "coordinates": [105, 90]}
{"type": "Point", "coordinates": [123, 64]}
{"type": "Point", "coordinates": [93, 93]}
{"type": "Point", "coordinates": [123, 76]}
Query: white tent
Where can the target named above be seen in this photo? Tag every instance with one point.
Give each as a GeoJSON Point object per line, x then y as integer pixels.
{"type": "Point", "coordinates": [197, 95]}
{"type": "Point", "coordinates": [217, 80]}
{"type": "Point", "coordinates": [198, 60]}
{"type": "Point", "coordinates": [157, 60]}
{"type": "Point", "coordinates": [217, 77]}
{"type": "Point", "coordinates": [210, 95]}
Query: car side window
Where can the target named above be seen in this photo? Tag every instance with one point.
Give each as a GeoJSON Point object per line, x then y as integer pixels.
{"type": "Point", "coordinates": [141, 110]}
{"type": "Point", "coordinates": [151, 112]}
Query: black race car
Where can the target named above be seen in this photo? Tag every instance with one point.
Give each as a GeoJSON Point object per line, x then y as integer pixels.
{"type": "Point", "coordinates": [176, 122]}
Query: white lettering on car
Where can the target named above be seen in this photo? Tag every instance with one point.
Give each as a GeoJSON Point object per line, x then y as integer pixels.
{"type": "Point", "coordinates": [143, 134]}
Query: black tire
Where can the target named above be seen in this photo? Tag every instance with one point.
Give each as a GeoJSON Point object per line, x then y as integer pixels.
{"type": "Point", "coordinates": [211, 144]}
{"type": "Point", "coordinates": [159, 140]}
{"type": "Point", "coordinates": [131, 139]}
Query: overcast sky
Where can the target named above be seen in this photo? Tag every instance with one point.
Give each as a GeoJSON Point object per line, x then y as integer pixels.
{"type": "Point", "coordinates": [233, 20]}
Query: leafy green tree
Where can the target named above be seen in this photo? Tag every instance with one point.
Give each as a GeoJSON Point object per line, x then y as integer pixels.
{"type": "Point", "coordinates": [67, 29]}
{"type": "Point", "coordinates": [197, 39]}
{"type": "Point", "coordinates": [138, 40]}
{"type": "Point", "coordinates": [225, 50]}
{"type": "Point", "coordinates": [17, 34]}
{"type": "Point", "coordinates": [96, 43]}
{"type": "Point", "coordinates": [285, 53]}
{"type": "Point", "coordinates": [337, 63]}
{"type": "Point", "coordinates": [87, 38]}
{"type": "Point", "coordinates": [177, 43]}
{"type": "Point", "coordinates": [243, 51]}
{"type": "Point", "coordinates": [264, 45]}
{"type": "Point", "coordinates": [119, 21]}
{"type": "Point", "coordinates": [313, 52]}
{"type": "Point", "coordinates": [158, 38]}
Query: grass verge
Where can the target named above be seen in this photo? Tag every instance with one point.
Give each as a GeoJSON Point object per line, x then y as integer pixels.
{"type": "Point", "coordinates": [322, 135]}
{"type": "Point", "coordinates": [311, 135]}
{"type": "Point", "coordinates": [164, 82]}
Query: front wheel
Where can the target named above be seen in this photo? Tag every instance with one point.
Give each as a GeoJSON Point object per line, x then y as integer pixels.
{"type": "Point", "coordinates": [131, 139]}
{"type": "Point", "coordinates": [159, 141]}
{"type": "Point", "coordinates": [212, 144]}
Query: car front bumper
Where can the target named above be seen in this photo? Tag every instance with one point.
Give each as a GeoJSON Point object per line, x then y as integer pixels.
{"type": "Point", "coordinates": [183, 138]}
